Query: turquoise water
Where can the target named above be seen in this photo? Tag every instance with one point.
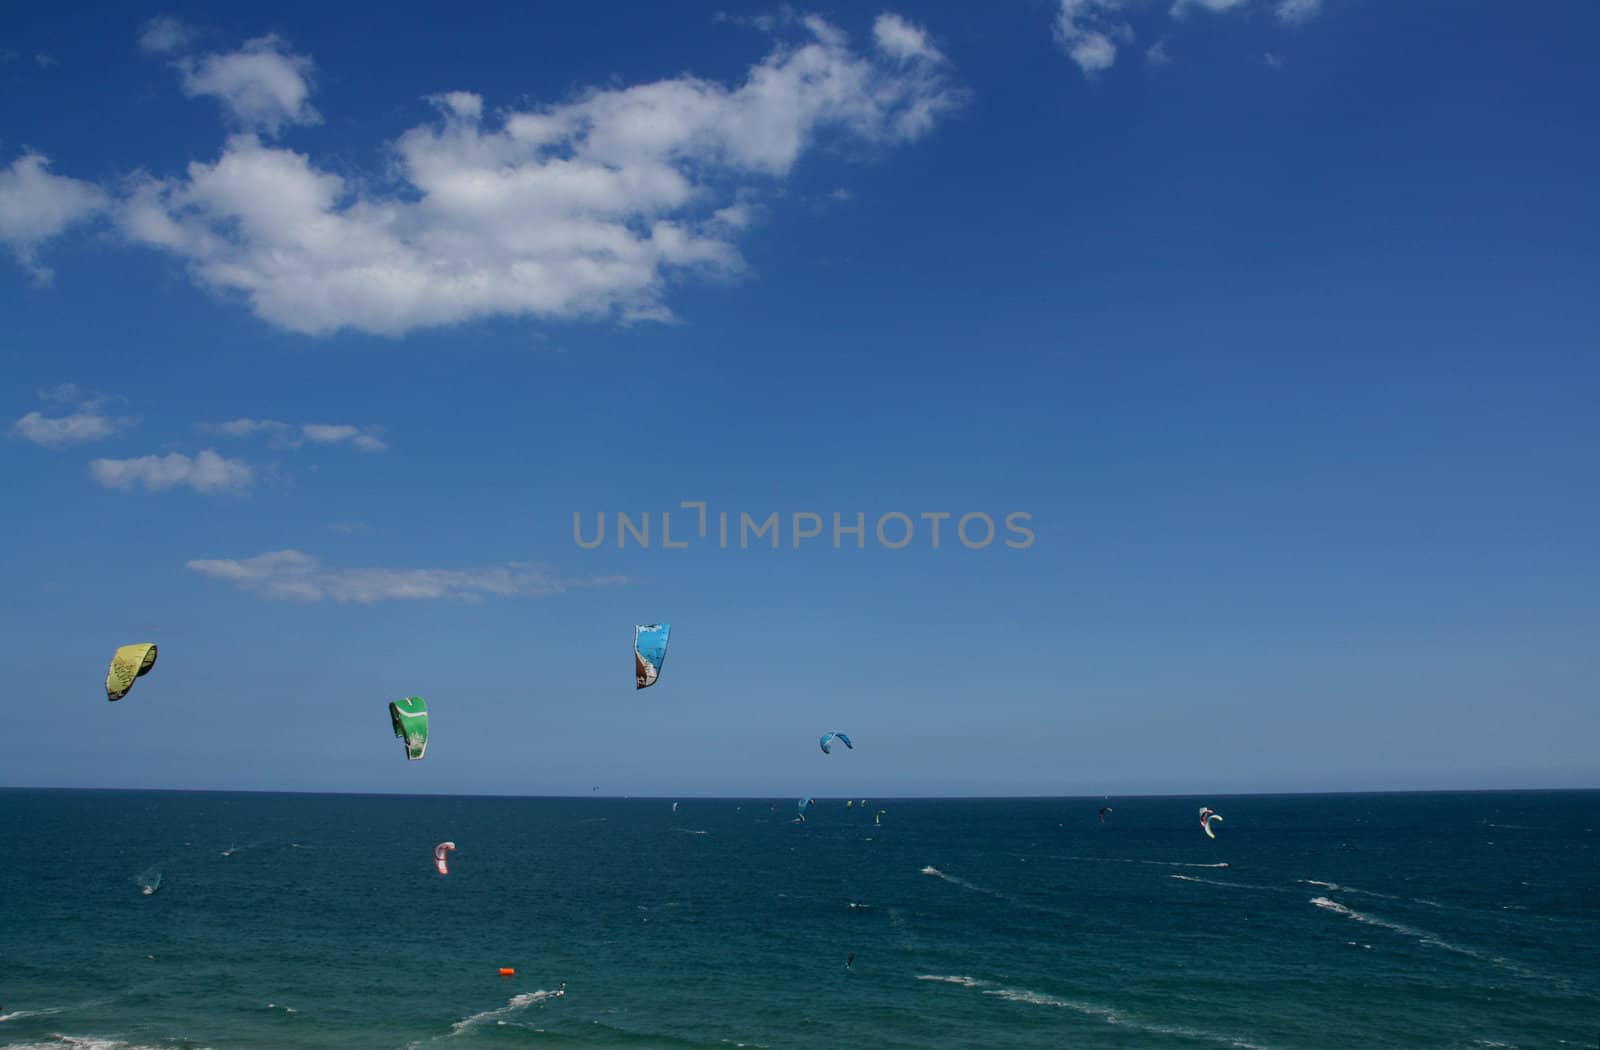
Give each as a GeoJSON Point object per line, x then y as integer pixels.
{"type": "Point", "coordinates": [289, 921]}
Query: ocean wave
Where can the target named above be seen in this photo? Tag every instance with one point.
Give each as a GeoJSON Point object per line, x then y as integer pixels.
{"type": "Point", "coordinates": [57, 1041]}
{"type": "Point", "coordinates": [17, 1015]}
{"type": "Point", "coordinates": [514, 1005]}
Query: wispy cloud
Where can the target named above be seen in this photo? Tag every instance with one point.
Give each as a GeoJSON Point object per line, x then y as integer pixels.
{"type": "Point", "coordinates": [1295, 12]}
{"type": "Point", "coordinates": [291, 575]}
{"type": "Point", "coordinates": [1180, 8]}
{"type": "Point", "coordinates": [292, 435]}
{"type": "Point", "coordinates": [1091, 30]}
{"type": "Point", "coordinates": [903, 41]}
{"type": "Point", "coordinates": [578, 209]}
{"type": "Point", "coordinates": [206, 472]}
{"type": "Point", "coordinates": [1087, 28]}
{"type": "Point", "coordinates": [262, 86]}
{"type": "Point", "coordinates": [87, 423]}
{"type": "Point", "coordinates": [36, 206]}
{"type": "Point", "coordinates": [164, 35]}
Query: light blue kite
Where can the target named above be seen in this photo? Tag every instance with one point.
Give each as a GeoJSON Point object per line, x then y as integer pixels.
{"type": "Point", "coordinates": [649, 652]}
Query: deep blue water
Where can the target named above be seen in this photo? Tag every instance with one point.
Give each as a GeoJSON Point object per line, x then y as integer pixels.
{"type": "Point", "coordinates": [1453, 920]}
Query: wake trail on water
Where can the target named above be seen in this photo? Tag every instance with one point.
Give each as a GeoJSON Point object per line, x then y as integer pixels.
{"type": "Point", "coordinates": [1433, 940]}
{"type": "Point", "coordinates": [1137, 860]}
{"type": "Point", "coordinates": [1230, 885]}
{"type": "Point", "coordinates": [1108, 1014]}
{"type": "Point", "coordinates": [996, 894]}
{"type": "Point", "coordinates": [516, 1004]}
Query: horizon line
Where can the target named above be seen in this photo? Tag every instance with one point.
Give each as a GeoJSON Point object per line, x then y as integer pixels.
{"type": "Point", "coordinates": [751, 798]}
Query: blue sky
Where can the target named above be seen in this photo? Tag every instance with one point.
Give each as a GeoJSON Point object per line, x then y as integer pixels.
{"type": "Point", "coordinates": [1277, 319]}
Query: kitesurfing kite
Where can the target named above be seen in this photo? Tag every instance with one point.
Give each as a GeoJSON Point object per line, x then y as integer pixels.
{"type": "Point", "coordinates": [829, 736]}
{"type": "Point", "coordinates": [877, 818]}
{"type": "Point", "coordinates": [410, 718]}
{"type": "Point", "coordinates": [804, 804]}
{"type": "Point", "coordinates": [439, 852]}
{"type": "Point", "coordinates": [649, 652]}
{"type": "Point", "coordinates": [1207, 815]}
{"type": "Point", "coordinates": [130, 662]}
{"type": "Point", "coordinates": [1103, 811]}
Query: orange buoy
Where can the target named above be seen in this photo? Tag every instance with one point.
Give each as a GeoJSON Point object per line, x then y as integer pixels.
{"type": "Point", "coordinates": [507, 971]}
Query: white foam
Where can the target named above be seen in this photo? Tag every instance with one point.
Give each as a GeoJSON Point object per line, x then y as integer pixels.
{"type": "Point", "coordinates": [81, 1042]}
{"type": "Point", "coordinates": [1431, 940]}
{"type": "Point", "coordinates": [965, 982]}
{"type": "Point", "coordinates": [516, 1003]}
{"type": "Point", "coordinates": [19, 1014]}
{"type": "Point", "coordinates": [1109, 1015]}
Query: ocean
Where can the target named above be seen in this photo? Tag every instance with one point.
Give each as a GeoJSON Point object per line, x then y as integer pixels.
{"type": "Point", "coordinates": [301, 921]}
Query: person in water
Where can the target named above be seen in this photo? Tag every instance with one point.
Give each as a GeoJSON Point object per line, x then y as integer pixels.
{"type": "Point", "coordinates": [849, 963]}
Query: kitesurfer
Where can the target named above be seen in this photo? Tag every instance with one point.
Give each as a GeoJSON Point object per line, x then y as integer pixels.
{"type": "Point", "coordinates": [848, 963]}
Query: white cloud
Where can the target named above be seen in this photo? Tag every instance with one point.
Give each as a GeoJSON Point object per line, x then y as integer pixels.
{"type": "Point", "coordinates": [1181, 7]}
{"type": "Point", "coordinates": [36, 205]}
{"type": "Point", "coordinates": [207, 472]}
{"type": "Point", "coordinates": [1273, 60]}
{"type": "Point", "coordinates": [1157, 54]}
{"type": "Point", "coordinates": [579, 209]}
{"type": "Point", "coordinates": [290, 435]}
{"type": "Point", "coordinates": [86, 423]}
{"type": "Point", "coordinates": [1086, 28]}
{"type": "Point", "coordinates": [164, 35]}
{"type": "Point", "coordinates": [74, 429]}
{"type": "Point", "coordinates": [1295, 12]}
{"type": "Point", "coordinates": [293, 575]}
{"type": "Point", "coordinates": [262, 86]}
{"type": "Point", "coordinates": [63, 392]}
{"type": "Point", "coordinates": [901, 40]}
{"type": "Point", "coordinates": [44, 61]}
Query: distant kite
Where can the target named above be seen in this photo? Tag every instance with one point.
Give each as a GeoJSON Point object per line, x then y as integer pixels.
{"type": "Point", "coordinates": [1207, 815]}
{"type": "Point", "coordinates": [826, 737]}
{"type": "Point", "coordinates": [439, 853]}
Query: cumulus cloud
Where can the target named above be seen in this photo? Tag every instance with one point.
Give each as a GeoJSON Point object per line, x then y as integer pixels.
{"type": "Point", "coordinates": [88, 422]}
{"type": "Point", "coordinates": [262, 86]}
{"type": "Point", "coordinates": [290, 435]}
{"type": "Point", "coordinates": [1157, 54]}
{"type": "Point", "coordinates": [36, 206]}
{"type": "Point", "coordinates": [207, 472]}
{"type": "Point", "coordinates": [584, 208]}
{"type": "Point", "coordinates": [56, 431]}
{"type": "Point", "coordinates": [1294, 12]}
{"type": "Point", "coordinates": [1087, 28]}
{"type": "Point", "coordinates": [164, 35]}
{"type": "Point", "coordinates": [291, 575]}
